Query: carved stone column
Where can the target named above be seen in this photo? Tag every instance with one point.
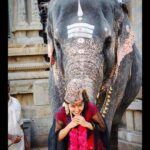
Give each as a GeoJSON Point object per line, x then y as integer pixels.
{"type": "Point", "coordinates": [25, 21]}
{"type": "Point", "coordinates": [19, 15]}
{"type": "Point", "coordinates": [28, 68]}
{"type": "Point", "coordinates": [136, 18]}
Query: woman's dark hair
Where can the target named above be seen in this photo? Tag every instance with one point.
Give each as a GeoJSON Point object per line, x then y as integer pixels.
{"type": "Point", "coordinates": [85, 96]}
{"type": "Point", "coordinates": [85, 100]}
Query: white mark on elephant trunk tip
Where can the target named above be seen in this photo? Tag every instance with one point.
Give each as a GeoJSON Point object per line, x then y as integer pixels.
{"type": "Point", "coordinates": [108, 32]}
{"type": "Point", "coordinates": [80, 12]}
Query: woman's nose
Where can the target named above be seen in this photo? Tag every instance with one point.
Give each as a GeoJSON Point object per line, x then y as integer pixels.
{"type": "Point", "coordinates": [76, 109]}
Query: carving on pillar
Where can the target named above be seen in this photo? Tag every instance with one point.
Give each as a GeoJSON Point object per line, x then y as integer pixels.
{"type": "Point", "coordinates": [34, 17]}
{"type": "Point", "coordinates": [25, 23]}
{"type": "Point", "coordinates": [28, 66]}
{"type": "Point", "coordinates": [19, 15]}
{"type": "Point", "coordinates": [26, 15]}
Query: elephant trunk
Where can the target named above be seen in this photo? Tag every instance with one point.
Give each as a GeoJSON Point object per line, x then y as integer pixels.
{"type": "Point", "coordinates": [83, 64]}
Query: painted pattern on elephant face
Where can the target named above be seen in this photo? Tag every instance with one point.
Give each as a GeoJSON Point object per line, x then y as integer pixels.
{"type": "Point", "coordinates": [80, 29]}
{"type": "Point", "coordinates": [84, 61]}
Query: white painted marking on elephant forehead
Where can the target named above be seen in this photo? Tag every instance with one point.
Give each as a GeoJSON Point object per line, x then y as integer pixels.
{"type": "Point", "coordinates": [80, 29]}
{"type": "Point", "coordinates": [80, 18]}
{"type": "Point", "coordinates": [105, 29]}
{"type": "Point", "coordinates": [86, 35]}
{"type": "Point", "coordinates": [127, 28]}
{"type": "Point", "coordinates": [80, 12]}
{"type": "Point", "coordinates": [108, 32]}
{"type": "Point", "coordinates": [80, 25]}
{"type": "Point", "coordinates": [56, 30]}
{"type": "Point", "coordinates": [120, 1]}
{"type": "Point", "coordinates": [80, 40]}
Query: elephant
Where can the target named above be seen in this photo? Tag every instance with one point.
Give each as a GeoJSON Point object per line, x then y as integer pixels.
{"type": "Point", "coordinates": [91, 42]}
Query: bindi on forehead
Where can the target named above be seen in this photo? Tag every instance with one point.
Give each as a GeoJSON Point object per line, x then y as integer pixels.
{"type": "Point", "coordinates": [78, 101]}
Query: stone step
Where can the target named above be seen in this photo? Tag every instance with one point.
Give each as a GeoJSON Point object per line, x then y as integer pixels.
{"type": "Point", "coordinates": [28, 66]}
{"type": "Point", "coordinates": [23, 51]}
{"type": "Point", "coordinates": [130, 136]}
{"type": "Point", "coordinates": [123, 145]}
{"type": "Point", "coordinates": [40, 148]}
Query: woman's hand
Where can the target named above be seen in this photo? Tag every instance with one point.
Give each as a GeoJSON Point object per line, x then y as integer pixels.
{"type": "Point", "coordinates": [15, 138]}
{"type": "Point", "coordinates": [63, 132]}
{"type": "Point", "coordinates": [81, 120]}
{"type": "Point", "coordinates": [73, 123]}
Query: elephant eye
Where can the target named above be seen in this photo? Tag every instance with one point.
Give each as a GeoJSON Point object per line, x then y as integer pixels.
{"type": "Point", "coordinates": [107, 43]}
{"type": "Point", "coordinates": [57, 44]}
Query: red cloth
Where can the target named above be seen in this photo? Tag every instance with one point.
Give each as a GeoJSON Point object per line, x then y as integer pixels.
{"type": "Point", "coordinates": [91, 110]}
{"type": "Point", "coordinates": [91, 142]}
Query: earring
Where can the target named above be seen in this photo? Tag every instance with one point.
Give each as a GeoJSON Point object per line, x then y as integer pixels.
{"type": "Point", "coordinates": [66, 108]}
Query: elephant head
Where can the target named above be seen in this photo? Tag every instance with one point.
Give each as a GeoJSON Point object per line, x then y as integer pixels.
{"type": "Point", "coordinates": [91, 44]}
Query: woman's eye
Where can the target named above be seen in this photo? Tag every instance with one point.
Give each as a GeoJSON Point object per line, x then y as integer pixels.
{"type": "Point", "coordinates": [73, 106]}
{"type": "Point", "coordinates": [80, 104]}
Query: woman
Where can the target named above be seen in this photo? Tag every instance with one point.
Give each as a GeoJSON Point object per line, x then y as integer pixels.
{"type": "Point", "coordinates": [78, 126]}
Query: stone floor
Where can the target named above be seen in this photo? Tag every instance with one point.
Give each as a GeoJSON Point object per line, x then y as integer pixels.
{"type": "Point", "coordinates": [40, 148]}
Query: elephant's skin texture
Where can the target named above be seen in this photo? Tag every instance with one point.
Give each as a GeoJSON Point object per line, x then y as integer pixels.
{"type": "Point", "coordinates": [91, 46]}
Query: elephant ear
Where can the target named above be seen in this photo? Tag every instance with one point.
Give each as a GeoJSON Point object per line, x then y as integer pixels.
{"type": "Point", "coordinates": [54, 47]}
{"type": "Point", "coordinates": [51, 50]}
{"type": "Point", "coordinates": [125, 5]}
{"type": "Point", "coordinates": [125, 35]}
{"type": "Point", "coordinates": [124, 46]}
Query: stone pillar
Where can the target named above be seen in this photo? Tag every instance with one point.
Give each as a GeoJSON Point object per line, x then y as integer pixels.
{"type": "Point", "coordinates": [28, 69]}
{"type": "Point", "coordinates": [25, 22]}
{"type": "Point", "coordinates": [33, 14]}
{"type": "Point", "coordinates": [136, 19]}
{"type": "Point", "coordinates": [19, 15]}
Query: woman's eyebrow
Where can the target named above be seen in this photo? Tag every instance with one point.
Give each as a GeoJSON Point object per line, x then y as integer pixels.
{"type": "Point", "coordinates": [80, 103]}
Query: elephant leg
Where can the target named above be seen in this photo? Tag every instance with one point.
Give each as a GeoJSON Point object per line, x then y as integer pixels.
{"type": "Point", "coordinates": [134, 83]}
{"type": "Point", "coordinates": [114, 137]}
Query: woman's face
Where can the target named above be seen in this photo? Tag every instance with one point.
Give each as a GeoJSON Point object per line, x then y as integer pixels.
{"type": "Point", "coordinates": [77, 107]}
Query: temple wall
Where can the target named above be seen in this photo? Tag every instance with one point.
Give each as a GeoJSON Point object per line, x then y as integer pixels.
{"type": "Point", "coordinates": [130, 131]}
{"type": "Point", "coordinates": [28, 68]}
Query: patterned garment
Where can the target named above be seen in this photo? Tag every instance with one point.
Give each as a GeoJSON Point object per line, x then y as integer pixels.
{"type": "Point", "coordinates": [82, 138]}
